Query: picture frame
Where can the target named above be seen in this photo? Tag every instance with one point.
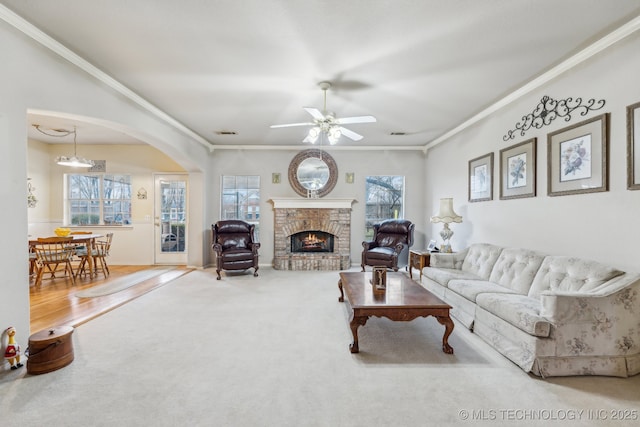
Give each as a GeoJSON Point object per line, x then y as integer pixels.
{"type": "Point", "coordinates": [518, 170]}
{"type": "Point", "coordinates": [432, 246]}
{"type": "Point", "coordinates": [578, 158]}
{"type": "Point", "coordinates": [379, 278]}
{"type": "Point", "coordinates": [481, 178]}
{"type": "Point", "coordinates": [633, 146]}
{"type": "Point", "coordinates": [349, 177]}
{"type": "Point", "coordinates": [98, 166]}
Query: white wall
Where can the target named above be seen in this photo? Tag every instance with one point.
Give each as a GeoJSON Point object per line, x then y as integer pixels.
{"type": "Point", "coordinates": [598, 226]}
{"type": "Point", "coordinates": [361, 163]}
{"type": "Point", "coordinates": [33, 77]}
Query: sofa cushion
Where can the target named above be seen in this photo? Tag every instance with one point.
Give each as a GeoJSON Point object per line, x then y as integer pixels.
{"type": "Point", "coordinates": [234, 241]}
{"type": "Point", "coordinates": [385, 240]}
{"type": "Point", "coordinates": [471, 288]}
{"type": "Point", "coordinates": [232, 255]}
{"type": "Point", "coordinates": [233, 226]}
{"type": "Point", "coordinates": [480, 259]}
{"type": "Point", "coordinates": [519, 310]}
{"type": "Point", "coordinates": [380, 252]}
{"type": "Point", "coordinates": [516, 268]}
{"type": "Point", "coordinates": [569, 274]}
{"type": "Point", "coordinates": [442, 276]}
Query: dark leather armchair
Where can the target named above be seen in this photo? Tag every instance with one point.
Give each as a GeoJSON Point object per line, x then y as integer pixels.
{"type": "Point", "coordinates": [234, 246]}
{"type": "Point", "coordinates": [390, 245]}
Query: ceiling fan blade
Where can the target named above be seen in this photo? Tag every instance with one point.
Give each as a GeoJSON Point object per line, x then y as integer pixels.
{"type": "Point", "coordinates": [315, 113]}
{"type": "Point", "coordinates": [350, 134]}
{"type": "Point", "coordinates": [359, 119]}
{"type": "Point", "coordinates": [291, 125]}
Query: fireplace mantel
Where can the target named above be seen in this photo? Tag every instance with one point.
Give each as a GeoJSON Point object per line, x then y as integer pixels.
{"type": "Point", "coordinates": [302, 203]}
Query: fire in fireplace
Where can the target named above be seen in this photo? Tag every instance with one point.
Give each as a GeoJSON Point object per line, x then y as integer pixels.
{"type": "Point", "coordinates": [312, 241]}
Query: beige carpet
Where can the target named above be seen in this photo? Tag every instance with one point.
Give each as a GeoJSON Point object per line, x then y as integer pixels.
{"type": "Point", "coordinates": [122, 283]}
{"type": "Point", "coordinates": [273, 351]}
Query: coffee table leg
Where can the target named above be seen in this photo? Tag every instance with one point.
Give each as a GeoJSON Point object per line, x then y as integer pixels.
{"type": "Point", "coordinates": [448, 325]}
{"type": "Point", "coordinates": [355, 323]}
{"type": "Point", "coordinates": [341, 298]}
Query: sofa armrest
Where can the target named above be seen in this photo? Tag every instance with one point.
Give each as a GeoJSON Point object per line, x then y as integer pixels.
{"type": "Point", "coordinates": [217, 247]}
{"type": "Point", "coordinates": [254, 247]}
{"type": "Point", "coordinates": [593, 324]}
{"type": "Point", "coordinates": [401, 247]}
{"type": "Point", "coordinates": [608, 288]}
{"type": "Point", "coordinates": [447, 260]}
{"type": "Point", "coordinates": [369, 245]}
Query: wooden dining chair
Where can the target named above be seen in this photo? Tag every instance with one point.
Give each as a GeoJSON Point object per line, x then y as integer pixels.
{"type": "Point", "coordinates": [33, 259]}
{"type": "Point", "coordinates": [99, 253]}
{"type": "Point", "coordinates": [53, 255]}
{"type": "Point", "coordinates": [102, 252]}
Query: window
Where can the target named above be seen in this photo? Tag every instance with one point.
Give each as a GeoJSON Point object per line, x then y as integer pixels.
{"type": "Point", "coordinates": [173, 215]}
{"type": "Point", "coordinates": [385, 200]}
{"type": "Point", "coordinates": [241, 199]}
{"type": "Point", "coordinates": [98, 199]}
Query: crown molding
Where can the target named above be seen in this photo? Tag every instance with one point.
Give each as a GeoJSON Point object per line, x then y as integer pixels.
{"type": "Point", "coordinates": [30, 30]}
{"type": "Point", "coordinates": [586, 53]}
{"type": "Point", "coordinates": [324, 147]}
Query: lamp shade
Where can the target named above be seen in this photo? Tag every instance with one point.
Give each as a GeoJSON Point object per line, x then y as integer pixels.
{"type": "Point", "coordinates": [446, 213]}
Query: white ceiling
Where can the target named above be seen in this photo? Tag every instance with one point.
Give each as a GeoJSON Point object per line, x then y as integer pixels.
{"type": "Point", "coordinates": [421, 67]}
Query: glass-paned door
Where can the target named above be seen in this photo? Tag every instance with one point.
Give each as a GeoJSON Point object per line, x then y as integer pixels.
{"type": "Point", "coordinates": [171, 219]}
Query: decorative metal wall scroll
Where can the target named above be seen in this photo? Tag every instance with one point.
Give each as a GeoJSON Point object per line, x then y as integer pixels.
{"type": "Point", "coordinates": [31, 198]}
{"type": "Point", "coordinates": [549, 109]}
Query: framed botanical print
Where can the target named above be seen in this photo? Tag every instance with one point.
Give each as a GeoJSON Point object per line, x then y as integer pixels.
{"type": "Point", "coordinates": [518, 170]}
{"type": "Point", "coordinates": [578, 158]}
{"type": "Point", "coordinates": [481, 178]}
{"type": "Point", "coordinates": [633, 146]}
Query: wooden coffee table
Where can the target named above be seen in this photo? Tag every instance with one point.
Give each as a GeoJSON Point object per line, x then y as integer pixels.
{"type": "Point", "coordinates": [403, 300]}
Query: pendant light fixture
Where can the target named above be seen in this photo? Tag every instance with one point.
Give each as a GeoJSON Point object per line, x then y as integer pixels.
{"type": "Point", "coordinates": [75, 161]}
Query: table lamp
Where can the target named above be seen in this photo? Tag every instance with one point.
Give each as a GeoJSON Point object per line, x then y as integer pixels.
{"type": "Point", "coordinates": [446, 215]}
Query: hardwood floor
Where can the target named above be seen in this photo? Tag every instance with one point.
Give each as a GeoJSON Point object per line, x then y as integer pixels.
{"type": "Point", "coordinates": [54, 302]}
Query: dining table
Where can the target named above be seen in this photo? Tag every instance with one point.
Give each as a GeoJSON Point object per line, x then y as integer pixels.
{"type": "Point", "coordinates": [79, 239]}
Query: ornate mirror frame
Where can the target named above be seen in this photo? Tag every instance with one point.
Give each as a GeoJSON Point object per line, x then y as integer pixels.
{"type": "Point", "coordinates": [313, 153]}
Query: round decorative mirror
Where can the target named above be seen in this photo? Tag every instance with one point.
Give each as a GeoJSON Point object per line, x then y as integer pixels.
{"type": "Point", "coordinates": [313, 170]}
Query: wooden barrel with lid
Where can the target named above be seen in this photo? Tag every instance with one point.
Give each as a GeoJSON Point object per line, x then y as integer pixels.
{"type": "Point", "coordinates": [50, 349]}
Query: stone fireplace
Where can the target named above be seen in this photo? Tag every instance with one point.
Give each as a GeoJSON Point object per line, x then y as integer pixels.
{"type": "Point", "coordinates": [312, 234]}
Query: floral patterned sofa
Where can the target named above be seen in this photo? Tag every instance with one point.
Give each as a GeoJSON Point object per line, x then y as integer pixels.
{"type": "Point", "coordinates": [551, 315]}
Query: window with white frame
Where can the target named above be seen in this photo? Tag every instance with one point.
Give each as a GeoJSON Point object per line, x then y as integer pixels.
{"type": "Point", "coordinates": [241, 199]}
{"type": "Point", "coordinates": [98, 199]}
{"type": "Point", "coordinates": [384, 200]}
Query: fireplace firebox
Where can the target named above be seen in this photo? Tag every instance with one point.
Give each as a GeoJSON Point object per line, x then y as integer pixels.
{"type": "Point", "coordinates": [312, 241]}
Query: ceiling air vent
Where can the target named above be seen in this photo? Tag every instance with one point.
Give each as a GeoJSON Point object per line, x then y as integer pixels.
{"type": "Point", "coordinates": [397, 133]}
{"type": "Point", "coordinates": [226, 132]}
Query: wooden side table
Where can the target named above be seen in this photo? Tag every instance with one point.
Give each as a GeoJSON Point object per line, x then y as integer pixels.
{"type": "Point", "coordinates": [418, 259]}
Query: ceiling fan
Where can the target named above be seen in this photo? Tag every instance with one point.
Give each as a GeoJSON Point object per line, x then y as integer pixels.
{"type": "Point", "coordinates": [327, 123]}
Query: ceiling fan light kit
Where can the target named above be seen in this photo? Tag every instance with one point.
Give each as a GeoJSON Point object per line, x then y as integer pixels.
{"type": "Point", "coordinates": [326, 123]}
